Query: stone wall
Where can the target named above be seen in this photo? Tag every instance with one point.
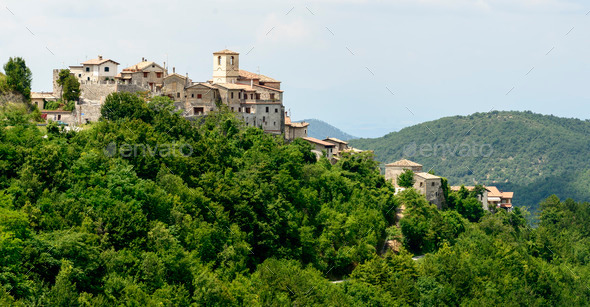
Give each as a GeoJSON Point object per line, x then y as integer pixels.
{"type": "Point", "coordinates": [96, 92]}
{"type": "Point", "coordinates": [392, 172]}
{"type": "Point", "coordinates": [131, 88]}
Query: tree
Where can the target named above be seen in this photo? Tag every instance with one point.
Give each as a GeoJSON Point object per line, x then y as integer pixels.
{"type": "Point", "coordinates": [70, 86]}
{"type": "Point", "coordinates": [18, 76]}
{"type": "Point", "coordinates": [406, 179]}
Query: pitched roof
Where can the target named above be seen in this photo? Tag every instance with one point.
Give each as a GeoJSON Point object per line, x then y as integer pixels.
{"type": "Point", "coordinates": [250, 75]}
{"type": "Point", "coordinates": [403, 162]}
{"type": "Point", "coordinates": [205, 84]}
{"type": "Point", "coordinates": [98, 61]}
{"type": "Point", "coordinates": [140, 66]}
{"type": "Point", "coordinates": [44, 95]}
{"type": "Point", "coordinates": [494, 192]}
{"type": "Point", "coordinates": [234, 86]}
{"type": "Point", "coordinates": [319, 142]}
{"type": "Point", "coordinates": [336, 140]}
{"type": "Point", "coordinates": [297, 125]}
{"type": "Point", "coordinates": [426, 175]}
{"type": "Point", "coordinates": [175, 75]}
{"type": "Point", "coordinates": [458, 187]}
{"type": "Point", "coordinates": [225, 51]}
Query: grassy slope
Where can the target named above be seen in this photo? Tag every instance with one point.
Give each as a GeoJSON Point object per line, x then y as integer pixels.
{"type": "Point", "coordinates": [533, 155]}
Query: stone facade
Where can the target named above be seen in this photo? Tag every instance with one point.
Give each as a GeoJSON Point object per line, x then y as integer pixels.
{"type": "Point", "coordinates": [427, 184]}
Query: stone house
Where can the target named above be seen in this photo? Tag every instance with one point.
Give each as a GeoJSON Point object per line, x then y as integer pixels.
{"type": "Point", "coordinates": [427, 184]}
{"type": "Point", "coordinates": [294, 130]}
{"type": "Point", "coordinates": [320, 147]}
{"type": "Point", "coordinates": [491, 197]}
{"type": "Point", "coordinates": [68, 117]}
{"type": "Point", "coordinates": [147, 74]}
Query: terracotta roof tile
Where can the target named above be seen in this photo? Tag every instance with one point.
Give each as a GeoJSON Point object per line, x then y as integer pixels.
{"type": "Point", "coordinates": [320, 142]}
{"type": "Point", "coordinates": [250, 75]}
{"type": "Point", "coordinates": [403, 162]}
{"type": "Point", "coordinates": [225, 51]}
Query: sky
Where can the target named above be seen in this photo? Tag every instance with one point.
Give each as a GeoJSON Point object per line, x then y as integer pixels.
{"type": "Point", "coordinates": [367, 67]}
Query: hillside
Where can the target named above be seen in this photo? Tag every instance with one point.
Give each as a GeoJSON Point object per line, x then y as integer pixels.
{"type": "Point", "coordinates": [320, 129]}
{"type": "Point", "coordinates": [531, 154]}
{"type": "Point", "coordinates": [145, 208]}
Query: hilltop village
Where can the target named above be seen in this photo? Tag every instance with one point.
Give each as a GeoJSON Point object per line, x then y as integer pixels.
{"type": "Point", "coordinates": [257, 98]}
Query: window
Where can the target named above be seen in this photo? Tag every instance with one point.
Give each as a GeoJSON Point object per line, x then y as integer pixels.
{"type": "Point", "coordinates": [274, 123]}
{"type": "Point", "coordinates": [192, 95]}
{"type": "Point", "coordinates": [266, 109]}
{"type": "Point", "coordinates": [106, 69]}
{"type": "Point", "coordinates": [199, 96]}
{"type": "Point", "coordinates": [239, 109]}
{"type": "Point", "coordinates": [232, 95]}
{"type": "Point", "coordinates": [79, 75]}
{"type": "Point", "coordinates": [58, 116]}
{"type": "Point", "coordinates": [251, 96]}
{"type": "Point", "coordinates": [247, 110]}
{"type": "Point", "coordinates": [88, 78]}
{"type": "Point", "coordinates": [276, 110]}
{"type": "Point", "coordinates": [219, 60]}
{"type": "Point", "coordinates": [232, 109]}
{"type": "Point", "coordinates": [433, 184]}
{"type": "Point", "coordinates": [198, 110]}
{"type": "Point", "coordinates": [87, 69]}
{"type": "Point", "coordinates": [177, 95]}
{"type": "Point", "coordinates": [261, 83]}
{"type": "Point", "coordinates": [421, 184]}
{"type": "Point", "coordinates": [264, 119]}
{"type": "Point", "coordinates": [145, 74]}
{"type": "Point", "coordinates": [231, 60]}
{"type": "Point", "coordinates": [272, 96]}
{"type": "Point", "coordinates": [158, 75]}
{"type": "Point", "coordinates": [257, 96]}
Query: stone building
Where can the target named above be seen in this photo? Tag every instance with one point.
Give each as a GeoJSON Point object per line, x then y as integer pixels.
{"type": "Point", "coordinates": [320, 147]}
{"type": "Point", "coordinates": [146, 74]}
{"type": "Point", "coordinates": [427, 184]}
{"type": "Point", "coordinates": [40, 98]}
{"type": "Point", "coordinates": [257, 98]}
{"type": "Point", "coordinates": [294, 130]}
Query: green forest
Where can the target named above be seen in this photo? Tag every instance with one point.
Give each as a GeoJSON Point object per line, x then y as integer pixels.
{"type": "Point", "coordinates": [533, 155]}
{"type": "Point", "coordinates": [147, 208]}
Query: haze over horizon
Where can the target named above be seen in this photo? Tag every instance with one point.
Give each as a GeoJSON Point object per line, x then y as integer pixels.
{"type": "Point", "coordinates": [366, 67]}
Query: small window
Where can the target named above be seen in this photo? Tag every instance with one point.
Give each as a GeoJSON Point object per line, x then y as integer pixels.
{"type": "Point", "coordinates": [272, 96]}
{"type": "Point", "coordinates": [433, 184]}
{"type": "Point", "coordinates": [88, 78]}
{"type": "Point", "coordinates": [79, 75]}
{"type": "Point", "coordinates": [263, 119]}
{"type": "Point", "coordinates": [274, 123]}
{"type": "Point", "coordinates": [266, 109]}
{"type": "Point", "coordinates": [261, 83]}
{"type": "Point", "coordinates": [199, 96]}
{"type": "Point", "coordinates": [106, 69]}
{"type": "Point", "coordinates": [276, 110]}
{"type": "Point", "coordinates": [231, 60]}
{"type": "Point", "coordinates": [219, 60]}
{"type": "Point", "coordinates": [158, 75]}
{"type": "Point", "coordinates": [232, 109]}
{"type": "Point", "coordinates": [177, 95]}
{"type": "Point", "coordinates": [232, 95]}
{"type": "Point", "coordinates": [257, 96]}
{"type": "Point", "coordinates": [240, 110]}
{"type": "Point", "coordinates": [87, 69]}
{"type": "Point", "coordinates": [58, 116]}
{"type": "Point", "coordinates": [421, 183]}
{"type": "Point", "coordinates": [192, 95]}
{"type": "Point", "coordinates": [251, 96]}
{"type": "Point", "coordinates": [153, 66]}
{"type": "Point", "coordinates": [145, 74]}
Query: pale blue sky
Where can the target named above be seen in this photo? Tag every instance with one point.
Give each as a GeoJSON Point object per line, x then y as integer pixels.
{"type": "Point", "coordinates": [337, 59]}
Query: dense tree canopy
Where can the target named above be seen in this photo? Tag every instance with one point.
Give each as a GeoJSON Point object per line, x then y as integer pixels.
{"type": "Point", "coordinates": [18, 77]}
{"type": "Point", "coordinates": [148, 208]}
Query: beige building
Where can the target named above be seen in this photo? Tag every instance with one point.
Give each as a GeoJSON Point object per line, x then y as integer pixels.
{"type": "Point", "coordinates": [320, 148]}
{"type": "Point", "coordinates": [40, 98]}
{"type": "Point", "coordinates": [491, 197]}
{"type": "Point", "coordinates": [294, 130]}
{"type": "Point", "coordinates": [427, 184]}
{"type": "Point", "coordinates": [95, 70]}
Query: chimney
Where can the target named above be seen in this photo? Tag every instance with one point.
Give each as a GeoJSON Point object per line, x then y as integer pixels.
{"type": "Point", "coordinates": [173, 70]}
{"type": "Point", "coordinates": [100, 57]}
{"type": "Point", "coordinates": [251, 83]}
{"type": "Point", "coordinates": [142, 59]}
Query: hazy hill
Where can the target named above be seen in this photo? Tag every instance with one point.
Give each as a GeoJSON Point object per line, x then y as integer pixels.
{"type": "Point", "coordinates": [320, 129]}
{"type": "Point", "coordinates": [531, 154]}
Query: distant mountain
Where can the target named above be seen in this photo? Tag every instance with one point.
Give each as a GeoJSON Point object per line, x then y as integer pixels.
{"type": "Point", "coordinates": [531, 154]}
{"type": "Point", "coordinates": [320, 130]}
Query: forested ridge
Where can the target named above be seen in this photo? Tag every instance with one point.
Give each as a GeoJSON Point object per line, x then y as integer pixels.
{"type": "Point", "coordinates": [531, 154]}
{"type": "Point", "coordinates": [146, 208]}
